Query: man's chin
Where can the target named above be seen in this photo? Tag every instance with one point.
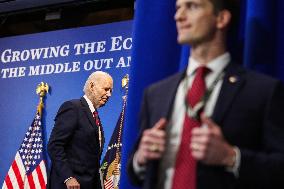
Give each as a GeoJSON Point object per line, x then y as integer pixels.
{"type": "Point", "coordinates": [183, 40]}
{"type": "Point", "coordinates": [103, 103]}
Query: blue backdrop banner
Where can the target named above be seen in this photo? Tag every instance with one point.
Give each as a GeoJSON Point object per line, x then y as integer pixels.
{"type": "Point", "coordinates": [63, 59]}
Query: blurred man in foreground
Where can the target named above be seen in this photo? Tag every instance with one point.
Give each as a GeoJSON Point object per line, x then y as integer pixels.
{"type": "Point", "coordinates": [215, 125]}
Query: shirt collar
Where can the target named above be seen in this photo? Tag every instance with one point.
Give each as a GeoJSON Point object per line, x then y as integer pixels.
{"type": "Point", "coordinates": [216, 65]}
{"type": "Point", "coordinates": [90, 104]}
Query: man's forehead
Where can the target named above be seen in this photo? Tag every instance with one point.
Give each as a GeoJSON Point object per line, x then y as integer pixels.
{"type": "Point", "coordinates": [107, 80]}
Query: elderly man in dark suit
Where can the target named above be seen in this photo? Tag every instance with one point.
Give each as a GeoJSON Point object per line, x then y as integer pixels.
{"type": "Point", "coordinates": [216, 125]}
{"type": "Point", "coordinates": [77, 139]}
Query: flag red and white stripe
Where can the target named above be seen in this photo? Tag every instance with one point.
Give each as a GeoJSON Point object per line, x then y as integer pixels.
{"type": "Point", "coordinates": [109, 183]}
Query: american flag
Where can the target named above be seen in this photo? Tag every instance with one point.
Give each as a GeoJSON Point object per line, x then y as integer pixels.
{"type": "Point", "coordinates": [28, 170]}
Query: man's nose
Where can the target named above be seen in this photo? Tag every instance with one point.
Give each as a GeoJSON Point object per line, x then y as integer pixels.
{"type": "Point", "coordinates": [179, 16]}
{"type": "Point", "coordinates": [109, 93]}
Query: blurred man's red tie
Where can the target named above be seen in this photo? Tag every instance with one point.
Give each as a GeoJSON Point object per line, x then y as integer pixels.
{"type": "Point", "coordinates": [185, 168]}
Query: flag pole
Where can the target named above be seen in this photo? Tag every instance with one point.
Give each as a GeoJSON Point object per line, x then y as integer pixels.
{"type": "Point", "coordinates": [124, 85]}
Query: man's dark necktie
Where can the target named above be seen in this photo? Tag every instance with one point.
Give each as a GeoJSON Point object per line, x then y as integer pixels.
{"type": "Point", "coordinates": [185, 167]}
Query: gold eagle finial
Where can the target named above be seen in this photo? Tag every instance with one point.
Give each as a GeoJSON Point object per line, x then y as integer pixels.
{"type": "Point", "coordinates": [41, 90]}
{"type": "Point", "coordinates": [125, 81]}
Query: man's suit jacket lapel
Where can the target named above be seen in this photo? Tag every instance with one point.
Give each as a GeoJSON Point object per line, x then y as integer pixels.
{"type": "Point", "coordinates": [232, 83]}
{"type": "Point", "coordinates": [88, 113]}
{"type": "Point", "coordinates": [171, 94]}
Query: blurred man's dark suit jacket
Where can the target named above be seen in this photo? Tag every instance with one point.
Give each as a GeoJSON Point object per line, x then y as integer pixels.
{"type": "Point", "coordinates": [74, 146]}
{"type": "Point", "coordinates": [250, 113]}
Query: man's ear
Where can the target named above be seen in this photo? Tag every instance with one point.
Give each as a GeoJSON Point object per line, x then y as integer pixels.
{"type": "Point", "coordinates": [91, 85]}
{"type": "Point", "coordinates": [223, 19]}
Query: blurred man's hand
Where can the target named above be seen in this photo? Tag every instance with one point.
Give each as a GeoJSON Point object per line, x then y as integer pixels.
{"type": "Point", "coordinates": [209, 146]}
{"type": "Point", "coordinates": [72, 184]}
{"type": "Point", "coordinates": [152, 144]}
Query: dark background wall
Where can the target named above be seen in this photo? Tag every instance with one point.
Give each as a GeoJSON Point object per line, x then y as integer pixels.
{"type": "Point", "coordinates": [19, 17]}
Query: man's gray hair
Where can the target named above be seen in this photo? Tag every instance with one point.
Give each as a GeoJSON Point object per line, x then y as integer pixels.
{"type": "Point", "coordinates": [94, 77]}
